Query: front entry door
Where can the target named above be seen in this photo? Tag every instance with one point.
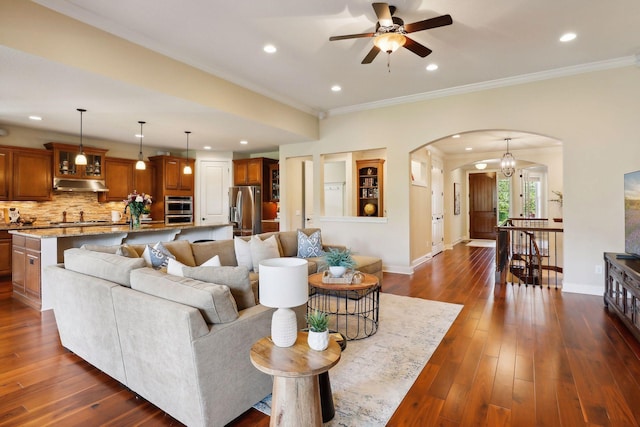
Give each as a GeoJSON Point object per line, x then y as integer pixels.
{"type": "Point", "coordinates": [483, 202]}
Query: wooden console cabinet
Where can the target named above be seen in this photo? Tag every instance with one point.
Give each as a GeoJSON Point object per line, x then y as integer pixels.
{"type": "Point", "coordinates": [25, 264]}
{"type": "Point", "coordinates": [622, 290]}
{"type": "Point", "coordinates": [370, 187]}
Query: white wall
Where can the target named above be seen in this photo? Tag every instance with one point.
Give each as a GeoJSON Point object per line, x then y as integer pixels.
{"type": "Point", "coordinates": [595, 115]}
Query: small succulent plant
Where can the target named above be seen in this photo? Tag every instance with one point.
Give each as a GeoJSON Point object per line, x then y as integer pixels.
{"type": "Point", "coordinates": [318, 321]}
{"type": "Point", "coordinates": [338, 258]}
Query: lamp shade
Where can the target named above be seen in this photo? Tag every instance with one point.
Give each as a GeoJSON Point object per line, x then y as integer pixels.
{"type": "Point", "coordinates": [283, 282]}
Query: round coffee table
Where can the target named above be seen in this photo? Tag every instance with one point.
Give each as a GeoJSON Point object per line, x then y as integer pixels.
{"type": "Point", "coordinates": [353, 309]}
{"type": "Point", "coordinates": [296, 392]}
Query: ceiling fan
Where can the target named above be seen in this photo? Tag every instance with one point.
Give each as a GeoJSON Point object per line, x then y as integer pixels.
{"type": "Point", "coordinates": [391, 32]}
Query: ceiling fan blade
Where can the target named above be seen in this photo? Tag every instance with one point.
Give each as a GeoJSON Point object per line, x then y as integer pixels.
{"type": "Point", "coordinates": [383, 13]}
{"type": "Point", "coordinates": [417, 48]}
{"type": "Point", "coordinates": [351, 36]}
{"type": "Point", "coordinates": [371, 55]}
{"type": "Point", "coordinates": [440, 21]}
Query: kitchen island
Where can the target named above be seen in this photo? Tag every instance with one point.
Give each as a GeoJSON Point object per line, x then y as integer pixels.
{"type": "Point", "coordinates": [35, 248]}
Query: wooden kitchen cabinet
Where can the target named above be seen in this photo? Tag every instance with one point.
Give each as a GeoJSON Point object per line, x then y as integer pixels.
{"type": "Point", "coordinates": [170, 180]}
{"type": "Point", "coordinates": [5, 253]}
{"type": "Point", "coordinates": [25, 259]}
{"type": "Point", "coordinates": [122, 177]}
{"type": "Point", "coordinates": [31, 175]}
{"type": "Point", "coordinates": [274, 182]}
{"type": "Point", "coordinates": [64, 161]}
{"type": "Point", "coordinates": [5, 173]}
{"type": "Point", "coordinates": [248, 171]}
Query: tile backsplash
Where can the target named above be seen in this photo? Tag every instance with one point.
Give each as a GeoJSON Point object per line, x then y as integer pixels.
{"type": "Point", "coordinates": [72, 203]}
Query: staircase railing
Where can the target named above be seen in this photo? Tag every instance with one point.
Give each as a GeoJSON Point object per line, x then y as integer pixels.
{"type": "Point", "coordinates": [529, 252]}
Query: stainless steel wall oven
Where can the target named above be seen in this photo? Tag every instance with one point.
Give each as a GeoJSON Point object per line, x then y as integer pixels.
{"type": "Point", "coordinates": [178, 209]}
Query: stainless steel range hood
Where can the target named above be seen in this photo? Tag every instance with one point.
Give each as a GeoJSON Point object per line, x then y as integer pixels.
{"type": "Point", "coordinates": [85, 185]}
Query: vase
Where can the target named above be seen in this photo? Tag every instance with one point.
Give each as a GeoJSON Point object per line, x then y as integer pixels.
{"type": "Point", "coordinates": [337, 270]}
{"type": "Point", "coordinates": [318, 341]}
{"type": "Point", "coordinates": [135, 221]}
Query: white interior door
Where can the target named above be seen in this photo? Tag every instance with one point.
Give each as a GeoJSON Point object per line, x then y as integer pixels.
{"type": "Point", "coordinates": [213, 206]}
{"type": "Point", "coordinates": [307, 177]}
{"type": "Point", "coordinates": [437, 206]}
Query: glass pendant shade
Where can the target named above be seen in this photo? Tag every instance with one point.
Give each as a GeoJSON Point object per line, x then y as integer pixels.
{"type": "Point", "coordinates": [187, 169]}
{"type": "Point", "coordinates": [81, 159]}
{"type": "Point", "coordinates": [508, 163]}
{"type": "Point", "coordinates": [389, 42]}
{"type": "Point", "coordinates": [140, 165]}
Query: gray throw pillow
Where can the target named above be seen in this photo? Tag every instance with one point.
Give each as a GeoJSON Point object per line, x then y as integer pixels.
{"type": "Point", "coordinates": [309, 246]}
{"type": "Point", "coordinates": [236, 278]}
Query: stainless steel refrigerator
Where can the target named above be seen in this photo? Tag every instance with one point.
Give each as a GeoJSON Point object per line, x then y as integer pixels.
{"type": "Point", "coordinates": [245, 210]}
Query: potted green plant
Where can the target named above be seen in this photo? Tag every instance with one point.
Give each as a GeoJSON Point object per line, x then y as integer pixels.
{"type": "Point", "coordinates": [318, 322]}
{"type": "Point", "coordinates": [338, 261]}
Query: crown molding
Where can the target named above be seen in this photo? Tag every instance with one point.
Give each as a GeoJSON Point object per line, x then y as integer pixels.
{"type": "Point", "coordinates": [491, 84]}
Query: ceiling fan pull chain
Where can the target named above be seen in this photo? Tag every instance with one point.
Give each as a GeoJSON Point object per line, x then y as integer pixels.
{"type": "Point", "coordinates": [389, 61]}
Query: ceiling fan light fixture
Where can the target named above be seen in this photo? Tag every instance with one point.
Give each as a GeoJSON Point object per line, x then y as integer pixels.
{"type": "Point", "coordinates": [389, 42]}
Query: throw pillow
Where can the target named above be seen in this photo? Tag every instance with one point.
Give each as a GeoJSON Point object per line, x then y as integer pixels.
{"type": "Point", "coordinates": [309, 246]}
{"type": "Point", "coordinates": [243, 253]}
{"type": "Point", "coordinates": [127, 251]}
{"type": "Point", "coordinates": [236, 278]}
{"type": "Point", "coordinates": [263, 249]}
{"type": "Point", "coordinates": [212, 262]}
{"type": "Point", "coordinates": [157, 257]}
{"type": "Point", "coordinates": [174, 267]}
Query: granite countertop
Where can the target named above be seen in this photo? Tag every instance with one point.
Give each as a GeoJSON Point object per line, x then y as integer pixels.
{"type": "Point", "coordinates": [88, 230]}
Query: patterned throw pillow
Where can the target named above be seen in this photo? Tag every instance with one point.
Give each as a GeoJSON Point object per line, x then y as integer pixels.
{"type": "Point", "coordinates": [157, 256]}
{"type": "Point", "coordinates": [309, 246]}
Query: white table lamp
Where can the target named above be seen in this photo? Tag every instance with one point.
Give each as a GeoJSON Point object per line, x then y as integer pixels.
{"type": "Point", "coordinates": [283, 285]}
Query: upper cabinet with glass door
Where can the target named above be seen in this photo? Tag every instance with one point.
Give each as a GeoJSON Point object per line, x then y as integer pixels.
{"type": "Point", "coordinates": [64, 161]}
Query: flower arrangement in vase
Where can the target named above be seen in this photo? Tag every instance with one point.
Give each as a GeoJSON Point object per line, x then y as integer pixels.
{"type": "Point", "coordinates": [136, 202]}
{"type": "Point", "coordinates": [339, 261]}
{"type": "Point", "coordinates": [318, 322]}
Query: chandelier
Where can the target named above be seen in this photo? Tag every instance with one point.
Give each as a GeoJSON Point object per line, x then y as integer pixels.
{"type": "Point", "coordinates": [508, 163]}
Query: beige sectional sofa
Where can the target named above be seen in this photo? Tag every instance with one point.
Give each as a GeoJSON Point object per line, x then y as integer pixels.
{"type": "Point", "coordinates": [183, 344]}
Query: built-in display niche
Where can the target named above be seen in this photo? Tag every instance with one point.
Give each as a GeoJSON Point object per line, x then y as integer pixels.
{"type": "Point", "coordinates": [353, 184]}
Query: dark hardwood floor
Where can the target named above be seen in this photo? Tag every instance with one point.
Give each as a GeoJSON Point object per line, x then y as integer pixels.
{"type": "Point", "coordinates": [516, 356]}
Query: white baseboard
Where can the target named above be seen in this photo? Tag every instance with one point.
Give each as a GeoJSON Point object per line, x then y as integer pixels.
{"type": "Point", "coordinates": [400, 269]}
{"type": "Point", "coordinates": [577, 288]}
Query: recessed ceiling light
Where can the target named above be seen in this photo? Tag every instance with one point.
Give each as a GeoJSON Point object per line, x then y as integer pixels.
{"type": "Point", "coordinates": [270, 48]}
{"type": "Point", "coordinates": [35, 118]}
{"type": "Point", "coordinates": [207, 147]}
{"type": "Point", "coordinates": [456, 136]}
{"type": "Point", "coordinates": [468, 149]}
{"type": "Point", "coordinates": [243, 142]}
{"type": "Point", "coordinates": [336, 88]}
{"type": "Point", "coordinates": [568, 37]}
{"type": "Point", "coordinates": [432, 67]}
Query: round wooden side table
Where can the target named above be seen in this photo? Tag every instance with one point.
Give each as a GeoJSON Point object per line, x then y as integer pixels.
{"type": "Point", "coordinates": [296, 392]}
{"type": "Point", "coordinates": [353, 308]}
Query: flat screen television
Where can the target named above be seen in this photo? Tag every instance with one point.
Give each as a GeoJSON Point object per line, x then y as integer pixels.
{"type": "Point", "coordinates": [632, 213]}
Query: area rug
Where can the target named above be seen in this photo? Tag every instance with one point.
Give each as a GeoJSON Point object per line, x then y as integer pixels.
{"type": "Point", "coordinates": [374, 374]}
{"type": "Point", "coordinates": [482, 243]}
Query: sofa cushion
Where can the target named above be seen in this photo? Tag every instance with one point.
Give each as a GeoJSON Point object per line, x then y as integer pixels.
{"type": "Point", "coordinates": [214, 301]}
{"type": "Point", "coordinates": [127, 251]}
{"type": "Point", "coordinates": [309, 246]}
{"type": "Point", "coordinates": [236, 278]}
{"type": "Point", "coordinates": [206, 250]}
{"type": "Point", "coordinates": [103, 265]}
{"type": "Point", "coordinates": [263, 249]}
{"type": "Point", "coordinates": [181, 249]}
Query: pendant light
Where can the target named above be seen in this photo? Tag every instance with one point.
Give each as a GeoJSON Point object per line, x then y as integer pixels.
{"type": "Point", "coordinates": [140, 165]}
{"type": "Point", "coordinates": [81, 159]}
{"type": "Point", "coordinates": [187, 169]}
{"type": "Point", "coordinates": [508, 163]}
